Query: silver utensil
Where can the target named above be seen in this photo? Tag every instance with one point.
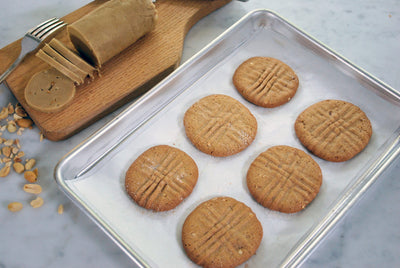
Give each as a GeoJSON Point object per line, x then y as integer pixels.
{"type": "Point", "coordinates": [32, 40]}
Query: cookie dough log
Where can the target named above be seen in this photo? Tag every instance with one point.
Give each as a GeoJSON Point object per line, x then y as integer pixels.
{"type": "Point", "coordinates": [49, 91]}
{"type": "Point", "coordinates": [112, 27]}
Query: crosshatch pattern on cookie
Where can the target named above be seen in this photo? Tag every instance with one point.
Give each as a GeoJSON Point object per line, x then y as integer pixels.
{"type": "Point", "coordinates": [221, 121]}
{"type": "Point", "coordinates": [284, 179]}
{"type": "Point", "coordinates": [220, 125]}
{"type": "Point", "coordinates": [265, 81]}
{"type": "Point", "coordinates": [161, 178]}
{"type": "Point", "coordinates": [334, 130]}
{"type": "Point", "coordinates": [221, 232]}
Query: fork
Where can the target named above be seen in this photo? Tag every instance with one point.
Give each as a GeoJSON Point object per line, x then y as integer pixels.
{"type": "Point", "coordinates": [32, 40]}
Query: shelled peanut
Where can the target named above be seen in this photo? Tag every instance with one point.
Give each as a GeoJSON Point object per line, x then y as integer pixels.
{"type": "Point", "coordinates": [13, 121]}
{"type": "Point", "coordinates": [15, 206]}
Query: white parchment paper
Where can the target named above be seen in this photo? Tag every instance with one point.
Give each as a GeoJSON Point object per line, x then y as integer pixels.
{"type": "Point", "coordinates": [157, 236]}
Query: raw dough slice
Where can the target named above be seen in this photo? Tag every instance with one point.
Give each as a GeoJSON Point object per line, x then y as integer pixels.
{"type": "Point", "coordinates": [112, 27]}
{"type": "Point", "coordinates": [49, 91]}
{"type": "Point", "coordinates": [60, 67]}
{"type": "Point", "coordinates": [65, 62]}
{"type": "Point", "coordinates": [72, 57]}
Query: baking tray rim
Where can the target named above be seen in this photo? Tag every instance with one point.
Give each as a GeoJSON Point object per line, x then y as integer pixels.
{"type": "Point", "coordinates": [387, 153]}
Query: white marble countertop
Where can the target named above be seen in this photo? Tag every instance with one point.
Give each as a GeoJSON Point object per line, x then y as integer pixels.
{"type": "Point", "coordinates": [365, 32]}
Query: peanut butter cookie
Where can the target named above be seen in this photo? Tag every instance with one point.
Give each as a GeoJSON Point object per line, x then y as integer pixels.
{"type": "Point", "coordinates": [221, 232]}
{"type": "Point", "coordinates": [161, 177]}
{"type": "Point", "coordinates": [219, 125]}
{"type": "Point", "coordinates": [333, 130]}
{"type": "Point", "coordinates": [266, 81]}
{"type": "Point", "coordinates": [284, 179]}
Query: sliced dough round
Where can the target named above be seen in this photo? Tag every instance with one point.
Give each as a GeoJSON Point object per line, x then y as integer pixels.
{"type": "Point", "coordinates": [49, 91]}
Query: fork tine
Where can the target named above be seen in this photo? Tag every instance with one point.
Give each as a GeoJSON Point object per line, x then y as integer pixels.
{"type": "Point", "coordinates": [31, 41]}
{"type": "Point", "coordinates": [50, 30]}
{"type": "Point", "coordinates": [39, 31]}
{"type": "Point", "coordinates": [41, 26]}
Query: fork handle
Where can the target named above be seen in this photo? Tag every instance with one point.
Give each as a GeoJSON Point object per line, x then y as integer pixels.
{"type": "Point", "coordinates": [10, 69]}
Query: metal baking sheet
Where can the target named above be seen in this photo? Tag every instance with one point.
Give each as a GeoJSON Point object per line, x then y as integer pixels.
{"type": "Point", "coordinates": [92, 175]}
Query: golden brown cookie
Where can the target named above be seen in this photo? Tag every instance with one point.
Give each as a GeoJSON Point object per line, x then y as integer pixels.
{"type": "Point", "coordinates": [221, 232]}
{"type": "Point", "coordinates": [284, 179]}
{"type": "Point", "coordinates": [266, 81]}
{"type": "Point", "coordinates": [219, 125]}
{"type": "Point", "coordinates": [333, 130]}
{"type": "Point", "coordinates": [161, 177]}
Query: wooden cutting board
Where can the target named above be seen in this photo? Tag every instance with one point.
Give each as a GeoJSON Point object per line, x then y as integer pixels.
{"type": "Point", "coordinates": [124, 77]}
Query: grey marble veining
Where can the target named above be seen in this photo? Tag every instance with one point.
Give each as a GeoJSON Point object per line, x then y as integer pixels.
{"type": "Point", "coordinates": [365, 32]}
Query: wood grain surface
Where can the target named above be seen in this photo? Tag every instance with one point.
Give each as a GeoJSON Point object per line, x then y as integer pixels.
{"type": "Point", "coordinates": [129, 74]}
